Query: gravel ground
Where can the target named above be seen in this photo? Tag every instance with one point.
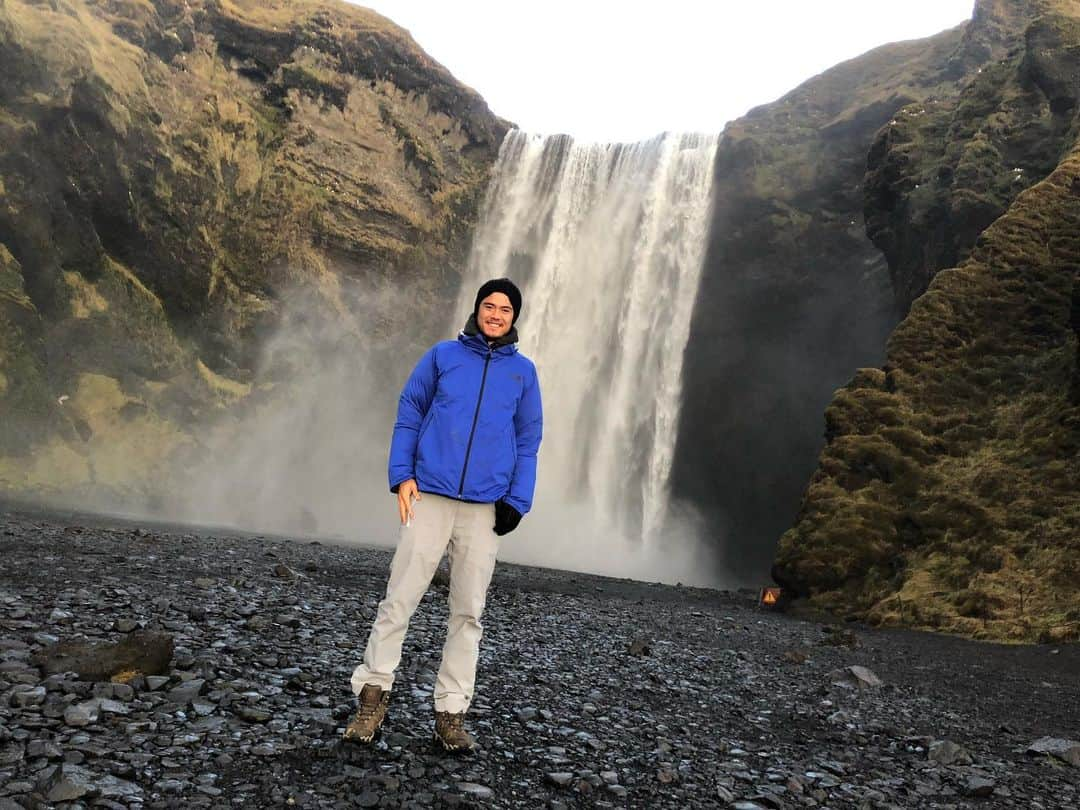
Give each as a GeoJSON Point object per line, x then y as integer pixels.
{"type": "Point", "coordinates": [592, 692]}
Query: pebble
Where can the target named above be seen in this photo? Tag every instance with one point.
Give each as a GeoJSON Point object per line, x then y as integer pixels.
{"type": "Point", "coordinates": [473, 789]}
{"type": "Point", "coordinates": [82, 714]}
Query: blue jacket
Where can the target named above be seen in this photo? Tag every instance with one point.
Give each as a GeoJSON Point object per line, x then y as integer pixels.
{"type": "Point", "coordinates": [469, 424]}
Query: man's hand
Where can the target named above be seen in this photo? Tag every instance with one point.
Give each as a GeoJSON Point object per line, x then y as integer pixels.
{"type": "Point", "coordinates": [507, 518]}
{"type": "Point", "coordinates": [406, 494]}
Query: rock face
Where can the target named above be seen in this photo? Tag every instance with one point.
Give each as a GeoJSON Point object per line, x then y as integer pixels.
{"type": "Point", "coordinates": [795, 295]}
{"type": "Point", "coordinates": [171, 172]}
{"type": "Point", "coordinates": [946, 496]}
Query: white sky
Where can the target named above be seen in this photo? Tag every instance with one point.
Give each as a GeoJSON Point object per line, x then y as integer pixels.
{"type": "Point", "coordinates": [623, 71]}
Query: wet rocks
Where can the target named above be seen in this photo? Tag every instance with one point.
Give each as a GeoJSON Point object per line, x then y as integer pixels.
{"type": "Point", "coordinates": [856, 676]}
{"type": "Point", "coordinates": [979, 787]}
{"type": "Point", "coordinates": [23, 697]}
{"type": "Point", "coordinates": [1065, 750]}
{"type": "Point", "coordinates": [713, 715]}
{"type": "Point", "coordinates": [186, 691]}
{"type": "Point", "coordinates": [945, 752]}
{"type": "Point", "coordinates": [82, 714]}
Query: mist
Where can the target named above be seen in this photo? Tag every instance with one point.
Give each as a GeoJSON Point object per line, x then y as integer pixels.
{"type": "Point", "coordinates": [607, 237]}
{"type": "Point", "coordinates": [306, 457]}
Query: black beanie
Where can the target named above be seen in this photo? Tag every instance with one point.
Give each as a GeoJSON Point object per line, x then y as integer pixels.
{"type": "Point", "coordinates": [504, 286]}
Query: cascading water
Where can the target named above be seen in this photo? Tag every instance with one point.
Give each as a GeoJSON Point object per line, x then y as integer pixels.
{"type": "Point", "coordinates": [607, 242]}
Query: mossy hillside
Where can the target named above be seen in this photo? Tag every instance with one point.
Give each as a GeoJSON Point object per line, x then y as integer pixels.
{"type": "Point", "coordinates": [942, 170]}
{"type": "Point", "coordinates": [29, 410]}
{"type": "Point", "coordinates": [947, 497]}
{"type": "Point", "coordinates": [794, 295]}
{"type": "Point", "coordinates": [173, 171]}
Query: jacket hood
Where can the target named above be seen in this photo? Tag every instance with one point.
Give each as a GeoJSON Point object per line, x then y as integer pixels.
{"type": "Point", "coordinates": [475, 336]}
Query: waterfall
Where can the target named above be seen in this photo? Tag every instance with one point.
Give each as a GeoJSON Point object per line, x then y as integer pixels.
{"type": "Point", "coordinates": [607, 243]}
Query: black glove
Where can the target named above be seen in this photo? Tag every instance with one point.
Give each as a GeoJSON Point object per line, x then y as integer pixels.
{"type": "Point", "coordinates": [507, 518]}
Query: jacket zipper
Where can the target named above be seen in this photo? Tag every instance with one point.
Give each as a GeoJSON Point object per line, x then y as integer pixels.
{"type": "Point", "coordinates": [476, 416]}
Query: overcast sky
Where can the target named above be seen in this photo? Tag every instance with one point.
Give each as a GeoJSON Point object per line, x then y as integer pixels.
{"type": "Point", "coordinates": [620, 71]}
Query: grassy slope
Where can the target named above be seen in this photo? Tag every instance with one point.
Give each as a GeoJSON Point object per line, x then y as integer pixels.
{"type": "Point", "coordinates": [947, 496]}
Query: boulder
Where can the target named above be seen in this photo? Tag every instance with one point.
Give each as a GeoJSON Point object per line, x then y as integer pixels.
{"type": "Point", "coordinates": [142, 651]}
{"type": "Point", "coordinates": [1066, 750]}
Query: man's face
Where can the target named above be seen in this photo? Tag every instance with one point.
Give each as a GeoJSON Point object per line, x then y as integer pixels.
{"type": "Point", "coordinates": [495, 315]}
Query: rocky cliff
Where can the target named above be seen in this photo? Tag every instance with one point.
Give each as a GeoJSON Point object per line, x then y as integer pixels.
{"type": "Point", "coordinates": [947, 494]}
{"type": "Point", "coordinates": [170, 174]}
{"type": "Point", "coordinates": [796, 294]}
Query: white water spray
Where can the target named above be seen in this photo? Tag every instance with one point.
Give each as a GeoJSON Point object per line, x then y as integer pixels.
{"type": "Point", "coordinates": [607, 242]}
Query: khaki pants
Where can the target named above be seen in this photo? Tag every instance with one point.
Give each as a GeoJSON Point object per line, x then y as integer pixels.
{"type": "Point", "coordinates": [437, 523]}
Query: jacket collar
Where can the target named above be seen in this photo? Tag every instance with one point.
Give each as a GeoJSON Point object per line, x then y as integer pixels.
{"type": "Point", "coordinates": [472, 337]}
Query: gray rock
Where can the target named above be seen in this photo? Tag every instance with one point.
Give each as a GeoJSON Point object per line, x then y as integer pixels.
{"type": "Point", "coordinates": [23, 698]}
{"type": "Point", "coordinates": [43, 748]}
{"type": "Point", "coordinates": [254, 714]}
{"type": "Point", "coordinates": [155, 682]}
{"type": "Point", "coordinates": [477, 790]}
{"type": "Point", "coordinates": [186, 691]}
{"type": "Point", "coordinates": [945, 752]}
{"type": "Point", "coordinates": [859, 677]}
{"type": "Point", "coordinates": [979, 787]}
{"type": "Point", "coordinates": [72, 783]}
{"type": "Point", "coordinates": [560, 778]}
{"type": "Point", "coordinates": [82, 714]}
{"type": "Point", "coordinates": [108, 706]}
{"type": "Point", "coordinates": [1067, 750]}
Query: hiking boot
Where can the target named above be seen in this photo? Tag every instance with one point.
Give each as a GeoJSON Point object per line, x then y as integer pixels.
{"type": "Point", "coordinates": [373, 704]}
{"type": "Point", "coordinates": [450, 732]}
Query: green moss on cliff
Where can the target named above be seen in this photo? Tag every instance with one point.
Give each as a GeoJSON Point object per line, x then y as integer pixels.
{"type": "Point", "coordinates": [948, 495]}
{"type": "Point", "coordinates": [966, 517]}
{"type": "Point", "coordinates": [26, 402]}
{"type": "Point", "coordinates": [172, 171]}
{"type": "Point", "coordinates": [942, 170]}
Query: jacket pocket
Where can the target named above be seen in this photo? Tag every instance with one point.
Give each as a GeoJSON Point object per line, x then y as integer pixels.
{"type": "Point", "coordinates": [429, 417]}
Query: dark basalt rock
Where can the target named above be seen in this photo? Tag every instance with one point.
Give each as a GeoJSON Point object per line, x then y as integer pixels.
{"type": "Point", "coordinates": [564, 715]}
{"type": "Point", "coordinates": [143, 651]}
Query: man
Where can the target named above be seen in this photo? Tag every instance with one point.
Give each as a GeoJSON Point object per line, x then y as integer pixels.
{"type": "Point", "coordinates": [463, 465]}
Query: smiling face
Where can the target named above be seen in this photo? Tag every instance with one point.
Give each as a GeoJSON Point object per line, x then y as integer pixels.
{"type": "Point", "coordinates": [495, 315]}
